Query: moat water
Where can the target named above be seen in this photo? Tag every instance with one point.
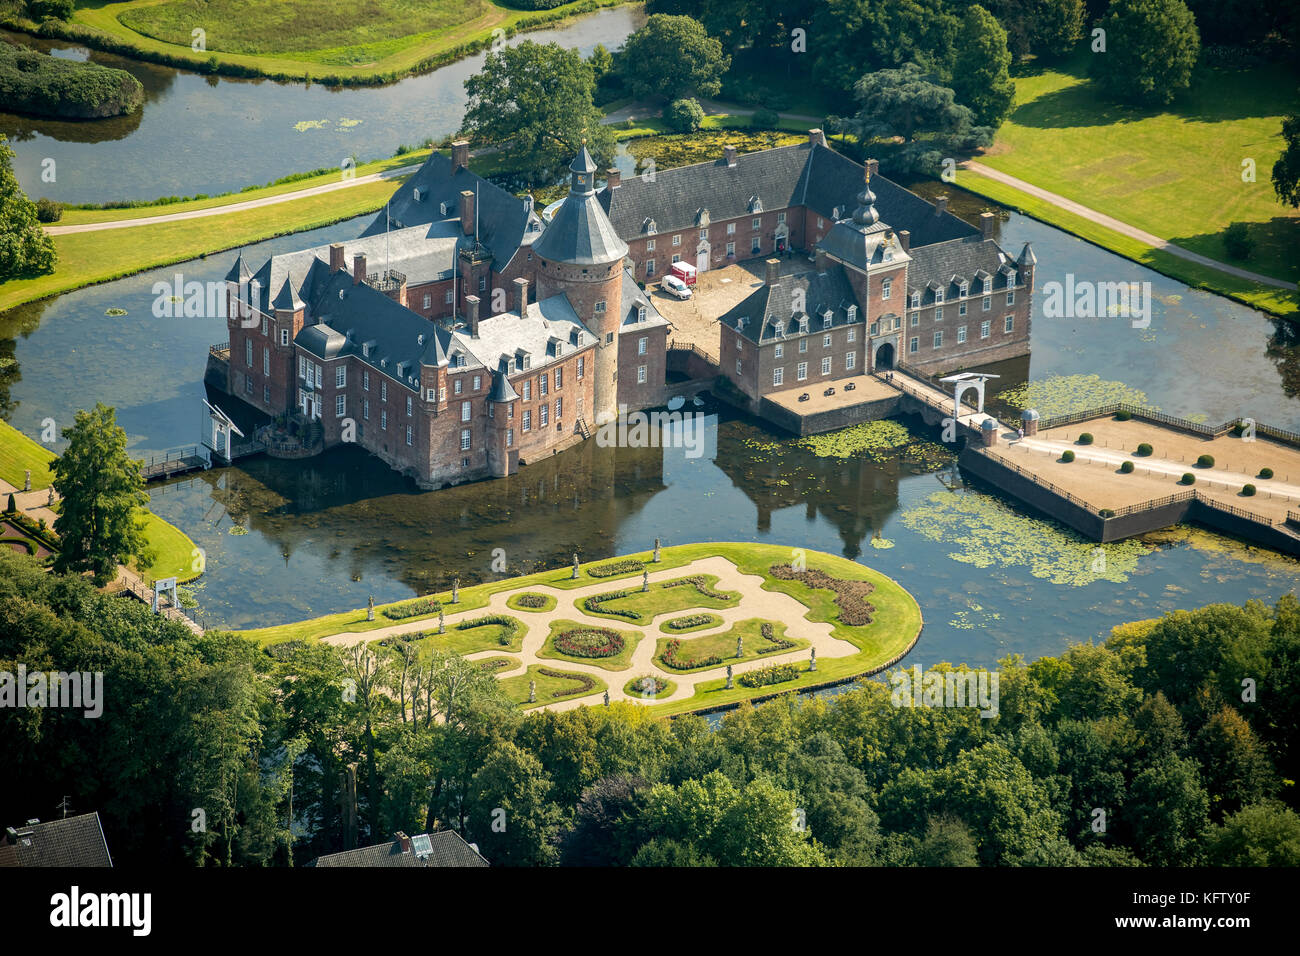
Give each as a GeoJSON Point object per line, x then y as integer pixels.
{"type": "Point", "coordinates": [285, 540]}
{"type": "Point", "coordinates": [217, 134]}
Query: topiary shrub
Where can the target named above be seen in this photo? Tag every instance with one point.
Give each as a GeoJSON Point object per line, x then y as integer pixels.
{"type": "Point", "coordinates": [1248, 490]}
{"type": "Point", "coordinates": [1123, 416]}
{"type": "Point", "coordinates": [13, 506]}
{"type": "Point", "coordinates": [1067, 456]}
{"type": "Point", "coordinates": [1144, 449]}
{"type": "Point", "coordinates": [48, 210]}
{"type": "Point", "coordinates": [1266, 473]}
{"type": "Point", "coordinates": [1205, 461]}
{"type": "Point", "coordinates": [1085, 438]}
{"type": "Point", "coordinates": [1189, 478]}
{"type": "Point", "coordinates": [772, 674]}
{"type": "Point", "coordinates": [1127, 468]}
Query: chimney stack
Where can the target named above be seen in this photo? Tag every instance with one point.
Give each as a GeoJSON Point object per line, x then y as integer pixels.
{"type": "Point", "coordinates": [986, 225]}
{"type": "Point", "coordinates": [773, 271]}
{"type": "Point", "coordinates": [521, 296]}
{"type": "Point", "coordinates": [467, 212]}
{"type": "Point", "coordinates": [358, 268]}
{"type": "Point", "coordinates": [823, 261]}
{"type": "Point", "coordinates": [729, 151]}
{"type": "Point", "coordinates": [471, 314]}
{"type": "Point", "coordinates": [873, 167]}
{"type": "Point", "coordinates": [337, 261]}
{"type": "Point", "coordinates": [940, 205]}
{"type": "Point", "coordinates": [613, 178]}
{"type": "Point", "coordinates": [459, 155]}
{"type": "Point", "coordinates": [816, 138]}
{"type": "Point", "coordinates": [403, 840]}
{"type": "Point", "coordinates": [905, 239]}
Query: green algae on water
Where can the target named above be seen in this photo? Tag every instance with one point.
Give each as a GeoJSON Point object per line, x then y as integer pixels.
{"type": "Point", "coordinates": [1065, 394]}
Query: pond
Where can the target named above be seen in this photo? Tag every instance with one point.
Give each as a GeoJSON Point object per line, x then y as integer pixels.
{"type": "Point", "coordinates": [285, 540]}
{"type": "Point", "coordinates": [211, 134]}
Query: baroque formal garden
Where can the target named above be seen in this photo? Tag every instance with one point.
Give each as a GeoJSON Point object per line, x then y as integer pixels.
{"type": "Point", "coordinates": [686, 628]}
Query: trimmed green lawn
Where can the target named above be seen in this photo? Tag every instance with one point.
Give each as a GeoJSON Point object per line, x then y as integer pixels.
{"type": "Point", "coordinates": [619, 662]}
{"type": "Point", "coordinates": [548, 605]}
{"type": "Point", "coordinates": [498, 665]}
{"type": "Point", "coordinates": [551, 689]}
{"type": "Point", "coordinates": [723, 645]}
{"type": "Point", "coordinates": [1175, 171]}
{"type": "Point", "coordinates": [469, 640]}
{"type": "Point", "coordinates": [713, 621]}
{"type": "Point", "coordinates": [662, 598]}
{"type": "Point", "coordinates": [19, 453]}
{"type": "Point", "coordinates": [633, 688]}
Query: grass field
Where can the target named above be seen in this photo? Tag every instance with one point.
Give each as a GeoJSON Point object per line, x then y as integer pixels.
{"type": "Point", "coordinates": [173, 550]}
{"type": "Point", "coordinates": [550, 689]}
{"type": "Point", "coordinates": [1175, 172]}
{"type": "Point", "coordinates": [368, 42]}
{"type": "Point", "coordinates": [662, 598]}
{"type": "Point", "coordinates": [723, 644]}
{"type": "Point", "coordinates": [619, 662]}
{"type": "Point", "coordinates": [469, 640]}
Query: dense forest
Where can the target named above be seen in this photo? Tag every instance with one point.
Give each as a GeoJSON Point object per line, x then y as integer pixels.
{"type": "Point", "coordinates": [1172, 743]}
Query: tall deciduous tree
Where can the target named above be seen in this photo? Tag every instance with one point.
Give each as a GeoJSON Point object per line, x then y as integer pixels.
{"type": "Point", "coordinates": [101, 523]}
{"type": "Point", "coordinates": [672, 57]}
{"type": "Point", "coordinates": [25, 249]}
{"type": "Point", "coordinates": [851, 36]}
{"type": "Point", "coordinates": [536, 101]}
{"type": "Point", "coordinates": [981, 76]}
{"type": "Point", "coordinates": [1286, 171]}
{"type": "Point", "coordinates": [1151, 49]}
{"type": "Point", "coordinates": [905, 103]}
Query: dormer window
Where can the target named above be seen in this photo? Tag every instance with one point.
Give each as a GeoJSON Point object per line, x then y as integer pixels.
{"type": "Point", "coordinates": [559, 348]}
{"type": "Point", "coordinates": [938, 295]}
{"type": "Point", "coordinates": [827, 318]}
{"type": "Point", "coordinates": [853, 313]}
{"type": "Point", "coordinates": [964, 288]}
{"type": "Point", "coordinates": [528, 362]}
{"type": "Point", "coordinates": [640, 313]}
{"type": "Point", "coordinates": [510, 367]}
{"type": "Point", "coordinates": [988, 285]}
{"type": "Point", "coordinates": [365, 350]}
{"type": "Point", "coordinates": [916, 299]}
{"type": "Point", "coordinates": [1011, 277]}
{"type": "Point", "coordinates": [803, 324]}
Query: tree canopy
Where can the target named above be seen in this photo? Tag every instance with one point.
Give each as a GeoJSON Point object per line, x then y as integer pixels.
{"type": "Point", "coordinates": [25, 248]}
{"type": "Point", "coordinates": [1151, 50]}
{"type": "Point", "coordinates": [981, 76]}
{"type": "Point", "coordinates": [672, 57]}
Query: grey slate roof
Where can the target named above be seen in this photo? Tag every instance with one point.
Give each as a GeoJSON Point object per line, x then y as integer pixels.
{"type": "Point", "coordinates": [75, 841]}
{"type": "Point", "coordinates": [502, 390]}
{"type": "Point", "coordinates": [769, 311]}
{"type": "Point", "coordinates": [814, 176]}
{"type": "Point", "coordinates": [240, 270]}
{"type": "Point", "coordinates": [507, 334]}
{"type": "Point", "coordinates": [941, 264]}
{"type": "Point", "coordinates": [506, 222]}
{"type": "Point", "coordinates": [580, 232]}
{"type": "Point", "coordinates": [447, 848]}
{"type": "Point", "coordinates": [633, 300]}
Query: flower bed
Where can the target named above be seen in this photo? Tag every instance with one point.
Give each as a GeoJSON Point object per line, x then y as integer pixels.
{"type": "Point", "coordinates": [701, 584]}
{"type": "Point", "coordinates": [772, 674]}
{"type": "Point", "coordinates": [617, 568]}
{"type": "Point", "coordinates": [495, 664]}
{"type": "Point", "coordinates": [596, 601]}
{"type": "Point", "coordinates": [587, 682]}
{"type": "Point", "coordinates": [769, 634]}
{"type": "Point", "coordinates": [647, 686]}
{"type": "Point", "coordinates": [531, 601]}
{"type": "Point", "coordinates": [589, 642]}
{"type": "Point", "coordinates": [850, 596]}
{"type": "Point", "coordinates": [669, 658]}
{"type": "Point", "coordinates": [416, 608]}
{"type": "Point", "coordinates": [510, 628]}
{"type": "Point", "coordinates": [692, 621]}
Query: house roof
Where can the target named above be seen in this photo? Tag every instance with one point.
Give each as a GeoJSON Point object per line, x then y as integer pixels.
{"type": "Point", "coordinates": [446, 848]}
{"type": "Point", "coordinates": [634, 299]}
{"type": "Point", "coordinates": [769, 313]}
{"type": "Point", "coordinates": [942, 265]}
{"type": "Point", "coordinates": [74, 841]}
{"type": "Point", "coordinates": [580, 232]}
{"type": "Point", "coordinates": [509, 334]}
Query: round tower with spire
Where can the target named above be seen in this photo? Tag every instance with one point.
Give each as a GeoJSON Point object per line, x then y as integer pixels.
{"type": "Point", "coordinates": [581, 256]}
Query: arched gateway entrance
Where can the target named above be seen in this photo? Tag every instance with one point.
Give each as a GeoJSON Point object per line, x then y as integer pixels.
{"type": "Point", "coordinates": [885, 356]}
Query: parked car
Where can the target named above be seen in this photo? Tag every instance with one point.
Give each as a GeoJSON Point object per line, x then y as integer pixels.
{"type": "Point", "coordinates": [675, 286]}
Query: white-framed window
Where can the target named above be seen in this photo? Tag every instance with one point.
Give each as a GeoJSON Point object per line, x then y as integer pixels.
{"type": "Point", "coordinates": [650, 245]}
{"type": "Point", "coordinates": [248, 384]}
{"type": "Point", "coordinates": [284, 336]}
{"type": "Point", "coordinates": [365, 380]}
{"type": "Point", "coordinates": [649, 267]}
{"type": "Point", "coordinates": [408, 404]}
{"type": "Point", "coordinates": [778, 351]}
{"type": "Point", "coordinates": [757, 223]}
{"type": "Point", "coordinates": [582, 363]}
{"type": "Point", "coordinates": [938, 295]}
{"type": "Point", "coordinates": [542, 382]}
{"type": "Point", "coordinates": [340, 406]}
{"type": "Point", "coordinates": [916, 299]}
{"type": "Point", "coordinates": [801, 371]}
{"type": "Point", "coordinates": [677, 240]}
{"type": "Point", "coordinates": [738, 372]}
{"type": "Point", "coordinates": [1011, 297]}
{"type": "Point", "coordinates": [528, 390]}
{"type": "Point", "coordinates": [543, 412]}
{"type": "Point", "coordinates": [365, 409]}
{"type": "Point", "coordinates": [826, 365]}
{"type": "Point", "coordinates": [704, 233]}
{"type": "Point", "coordinates": [510, 437]}
{"type": "Point", "coordinates": [850, 360]}
{"type": "Point", "coordinates": [464, 439]}
{"type": "Point", "coordinates": [676, 258]}
{"type": "Point", "coordinates": [442, 393]}
{"type": "Point", "coordinates": [914, 344]}
{"type": "Point", "coordinates": [383, 391]}
{"type": "Point", "coordinates": [559, 378]}
{"type": "Point", "coordinates": [961, 309]}
{"type": "Point", "coordinates": [938, 314]}
{"type": "Point", "coordinates": [341, 376]}
{"type": "Point", "coordinates": [778, 375]}
{"type": "Point", "coordinates": [478, 382]}
{"type": "Point", "coordinates": [263, 325]}
{"type": "Point", "coordinates": [528, 420]}
{"type": "Point", "coordinates": [964, 289]}
{"type": "Point", "coordinates": [303, 373]}
{"type": "Point", "coordinates": [731, 228]}
{"type": "Point", "coordinates": [266, 360]}
{"type": "Point", "coordinates": [457, 386]}
{"type": "Point", "coordinates": [446, 297]}
{"type": "Point", "coordinates": [852, 335]}
{"type": "Point", "coordinates": [428, 300]}
{"type": "Point", "coordinates": [988, 302]}
{"type": "Point", "coordinates": [916, 318]}
{"type": "Point", "coordinates": [731, 248]}
{"type": "Point", "coordinates": [266, 394]}
{"type": "Point", "coordinates": [780, 217]}
{"type": "Point", "coordinates": [1009, 323]}
{"type": "Point", "coordinates": [408, 434]}
{"type": "Point", "coordinates": [482, 283]}
{"type": "Point", "coordinates": [803, 344]}
{"type": "Point", "coordinates": [886, 288]}
{"type": "Point", "coordinates": [248, 352]}
{"type": "Point", "coordinates": [938, 339]}
{"type": "Point", "coordinates": [641, 345]}
{"type": "Point", "coordinates": [383, 419]}
{"type": "Point", "coordinates": [756, 246]}
{"type": "Point", "coordinates": [984, 329]}
{"type": "Point", "coordinates": [961, 334]}
{"type": "Point", "coordinates": [827, 320]}
{"type": "Point", "coordinates": [988, 285]}
{"type": "Point", "coordinates": [465, 409]}
{"type": "Point", "coordinates": [740, 345]}
{"type": "Point", "coordinates": [826, 341]}
{"type": "Point", "coordinates": [1011, 278]}
{"type": "Point", "coordinates": [559, 409]}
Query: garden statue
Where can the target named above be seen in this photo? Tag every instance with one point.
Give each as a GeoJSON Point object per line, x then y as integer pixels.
{"type": "Point", "coordinates": [645, 580]}
{"type": "Point", "coordinates": [813, 666]}
{"type": "Point", "coordinates": [441, 627]}
{"type": "Point", "coordinates": [740, 647]}
{"type": "Point", "coordinates": [730, 684]}
{"type": "Point", "coordinates": [606, 698]}
{"type": "Point", "coordinates": [656, 551]}
{"type": "Point", "coordinates": [370, 609]}
{"type": "Point", "coordinates": [50, 502]}
{"type": "Point", "coordinates": [455, 590]}
{"type": "Point", "coordinates": [532, 692]}
{"type": "Point", "coordinates": [27, 480]}
{"type": "Point", "coordinates": [575, 565]}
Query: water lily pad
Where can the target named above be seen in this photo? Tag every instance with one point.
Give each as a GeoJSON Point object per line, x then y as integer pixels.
{"type": "Point", "coordinates": [115, 312]}
{"type": "Point", "coordinates": [1064, 394]}
{"type": "Point", "coordinates": [238, 529]}
{"type": "Point", "coordinates": [303, 125]}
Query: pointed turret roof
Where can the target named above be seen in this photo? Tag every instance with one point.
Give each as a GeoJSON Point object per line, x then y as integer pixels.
{"type": "Point", "coordinates": [287, 298]}
{"type": "Point", "coordinates": [1027, 256]}
{"type": "Point", "coordinates": [502, 390]}
{"type": "Point", "coordinates": [240, 271]}
{"type": "Point", "coordinates": [580, 232]}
